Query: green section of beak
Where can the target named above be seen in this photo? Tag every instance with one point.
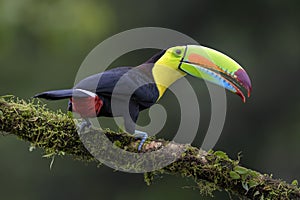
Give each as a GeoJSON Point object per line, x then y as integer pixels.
{"type": "Point", "coordinates": [215, 67]}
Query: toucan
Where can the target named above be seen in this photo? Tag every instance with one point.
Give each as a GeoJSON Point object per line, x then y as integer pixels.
{"type": "Point", "coordinates": [133, 89]}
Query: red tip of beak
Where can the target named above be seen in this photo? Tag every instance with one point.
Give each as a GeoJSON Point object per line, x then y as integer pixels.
{"type": "Point", "coordinates": [244, 79]}
{"type": "Point", "coordinates": [241, 95]}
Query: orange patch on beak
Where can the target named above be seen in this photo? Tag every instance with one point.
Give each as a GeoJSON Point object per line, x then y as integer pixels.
{"type": "Point", "coordinates": [202, 61]}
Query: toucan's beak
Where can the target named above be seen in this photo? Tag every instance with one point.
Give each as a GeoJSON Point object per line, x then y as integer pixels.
{"type": "Point", "coordinates": [216, 67]}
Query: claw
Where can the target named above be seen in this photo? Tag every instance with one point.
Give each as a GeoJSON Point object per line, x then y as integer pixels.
{"type": "Point", "coordinates": [140, 135]}
{"type": "Point", "coordinates": [83, 125]}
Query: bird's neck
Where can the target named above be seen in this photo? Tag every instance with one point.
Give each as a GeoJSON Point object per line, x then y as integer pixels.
{"type": "Point", "coordinates": [164, 76]}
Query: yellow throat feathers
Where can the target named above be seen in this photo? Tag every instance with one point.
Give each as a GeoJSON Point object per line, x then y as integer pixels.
{"type": "Point", "coordinates": [164, 76]}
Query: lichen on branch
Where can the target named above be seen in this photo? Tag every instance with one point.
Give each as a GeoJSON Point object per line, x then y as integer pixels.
{"type": "Point", "coordinates": [55, 132]}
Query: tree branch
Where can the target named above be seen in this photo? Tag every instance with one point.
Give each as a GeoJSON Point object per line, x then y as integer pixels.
{"type": "Point", "coordinates": [55, 132]}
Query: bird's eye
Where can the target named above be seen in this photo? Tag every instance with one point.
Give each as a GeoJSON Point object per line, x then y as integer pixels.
{"type": "Point", "coordinates": [178, 52]}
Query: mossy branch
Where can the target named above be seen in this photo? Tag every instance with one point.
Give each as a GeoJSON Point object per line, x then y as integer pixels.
{"type": "Point", "coordinates": [55, 132]}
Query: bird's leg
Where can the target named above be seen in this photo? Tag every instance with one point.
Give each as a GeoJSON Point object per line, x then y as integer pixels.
{"type": "Point", "coordinates": [140, 135]}
{"type": "Point", "coordinates": [84, 124]}
{"type": "Point", "coordinates": [130, 123]}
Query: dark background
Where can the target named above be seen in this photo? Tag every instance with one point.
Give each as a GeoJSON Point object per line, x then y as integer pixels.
{"type": "Point", "coordinates": [42, 44]}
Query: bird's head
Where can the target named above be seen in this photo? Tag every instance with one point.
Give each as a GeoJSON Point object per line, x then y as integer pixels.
{"type": "Point", "coordinates": [208, 64]}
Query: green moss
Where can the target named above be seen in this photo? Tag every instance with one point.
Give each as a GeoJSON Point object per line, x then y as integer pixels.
{"type": "Point", "coordinates": [295, 182]}
{"type": "Point", "coordinates": [55, 133]}
{"type": "Point", "coordinates": [148, 178]}
{"type": "Point", "coordinates": [118, 143]}
{"type": "Point", "coordinates": [207, 188]}
{"type": "Point", "coordinates": [52, 131]}
{"type": "Point", "coordinates": [234, 175]}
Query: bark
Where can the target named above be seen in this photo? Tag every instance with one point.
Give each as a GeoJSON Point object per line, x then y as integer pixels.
{"type": "Point", "coordinates": [56, 133]}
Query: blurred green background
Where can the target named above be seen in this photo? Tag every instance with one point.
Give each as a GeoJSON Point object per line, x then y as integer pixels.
{"type": "Point", "coordinates": [42, 44]}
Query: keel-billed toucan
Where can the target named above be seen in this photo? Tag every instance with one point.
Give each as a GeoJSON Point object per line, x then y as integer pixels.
{"type": "Point", "coordinates": [145, 84]}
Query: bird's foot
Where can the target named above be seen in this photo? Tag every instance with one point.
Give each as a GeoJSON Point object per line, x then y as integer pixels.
{"type": "Point", "coordinates": [83, 125]}
{"type": "Point", "coordinates": [140, 135]}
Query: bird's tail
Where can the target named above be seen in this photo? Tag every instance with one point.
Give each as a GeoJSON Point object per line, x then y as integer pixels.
{"type": "Point", "coordinates": [55, 94]}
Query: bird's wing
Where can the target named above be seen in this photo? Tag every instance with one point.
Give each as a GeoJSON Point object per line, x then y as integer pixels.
{"type": "Point", "coordinates": [103, 83]}
{"type": "Point", "coordinates": [129, 82]}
